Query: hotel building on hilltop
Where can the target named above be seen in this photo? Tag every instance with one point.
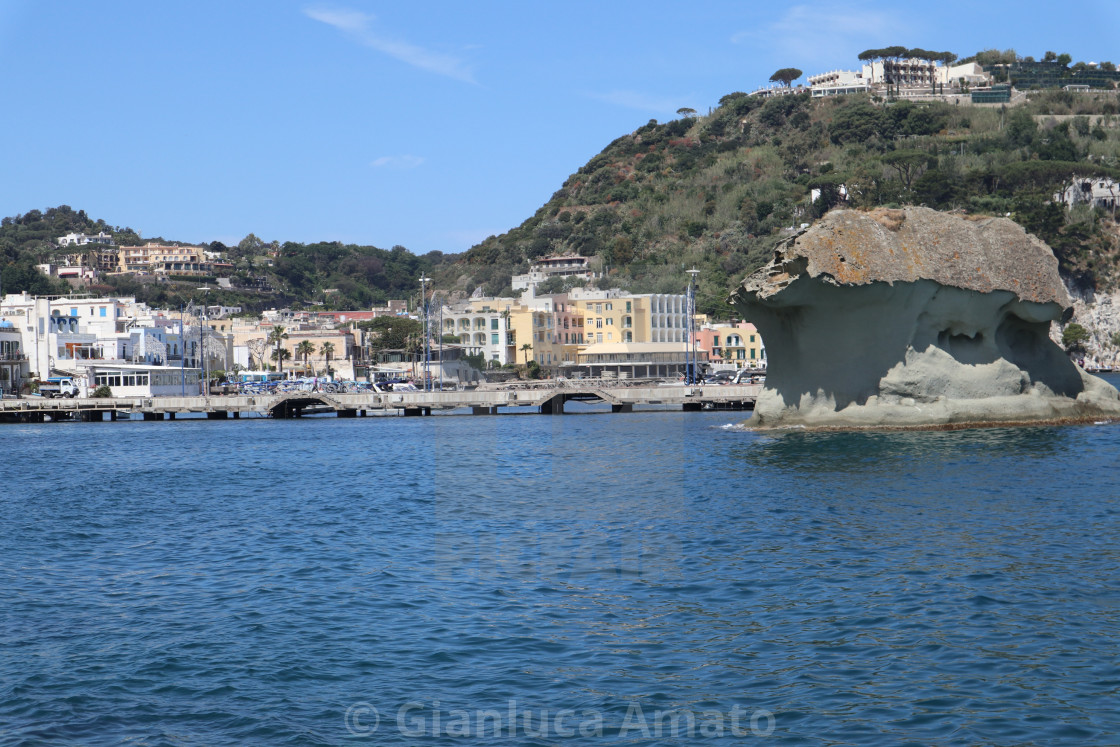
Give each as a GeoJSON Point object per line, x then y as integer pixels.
{"type": "Point", "coordinates": [910, 77]}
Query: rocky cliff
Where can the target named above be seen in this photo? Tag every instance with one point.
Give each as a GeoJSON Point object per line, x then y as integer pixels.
{"type": "Point", "coordinates": [915, 318]}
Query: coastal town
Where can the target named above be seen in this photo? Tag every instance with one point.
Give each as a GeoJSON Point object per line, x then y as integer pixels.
{"type": "Point", "coordinates": [559, 321]}
{"type": "Point", "coordinates": [137, 351]}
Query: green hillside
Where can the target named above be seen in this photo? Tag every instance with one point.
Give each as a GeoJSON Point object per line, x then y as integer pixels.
{"type": "Point", "coordinates": [715, 191]}
{"type": "Point", "coordinates": [328, 275]}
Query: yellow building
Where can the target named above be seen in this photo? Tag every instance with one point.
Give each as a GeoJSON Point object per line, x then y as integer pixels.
{"type": "Point", "coordinates": [163, 260]}
{"type": "Point", "coordinates": [613, 316]}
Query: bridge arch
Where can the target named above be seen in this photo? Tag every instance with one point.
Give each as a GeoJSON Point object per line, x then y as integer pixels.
{"type": "Point", "coordinates": [293, 404]}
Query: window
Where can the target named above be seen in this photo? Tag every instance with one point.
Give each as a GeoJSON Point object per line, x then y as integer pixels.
{"type": "Point", "coordinates": [494, 323]}
{"type": "Point", "coordinates": [598, 323]}
{"type": "Point", "coordinates": [610, 322]}
{"type": "Point", "coordinates": [627, 337]}
{"type": "Point", "coordinates": [73, 312]}
{"type": "Point", "coordinates": [610, 307]}
{"type": "Point", "coordinates": [627, 322]}
{"type": "Point", "coordinates": [598, 308]}
{"type": "Point", "coordinates": [715, 341]}
{"type": "Point", "coordinates": [752, 338]}
{"type": "Point", "coordinates": [494, 338]}
{"type": "Point", "coordinates": [609, 336]}
{"type": "Point", "coordinates": [102, 311]}
{"type": "Point", "coordinates": [628, 309]}
{"type": "Point", "coordinates": [598, 337]}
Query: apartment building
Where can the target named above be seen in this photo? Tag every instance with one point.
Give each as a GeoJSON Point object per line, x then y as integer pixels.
{"type": "Point", "coordinates": [483, 326]}
{"type": "Point", "coordinates": [161, 259]}
{"type": "Point", "coordinates": [739, 345]}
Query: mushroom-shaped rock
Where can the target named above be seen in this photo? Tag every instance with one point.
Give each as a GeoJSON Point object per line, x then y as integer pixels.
{"type": "Point", "coordinates": [915, 318]}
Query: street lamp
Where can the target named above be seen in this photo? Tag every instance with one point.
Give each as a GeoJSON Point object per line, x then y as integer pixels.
{"type": "Point", "coordinates": [690, 339]}
{"type": "Point", "coordinates": [427, 341]}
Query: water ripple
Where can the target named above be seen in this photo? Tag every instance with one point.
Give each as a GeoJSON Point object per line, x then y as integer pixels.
{"type": "Point", "coordinates": [249, 582]}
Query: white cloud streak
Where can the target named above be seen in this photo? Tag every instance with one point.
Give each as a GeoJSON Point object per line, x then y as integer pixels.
{"type": "Point", "coordinates": [359, 27]}
{"type": "Point", "coordinates": [397, 162]}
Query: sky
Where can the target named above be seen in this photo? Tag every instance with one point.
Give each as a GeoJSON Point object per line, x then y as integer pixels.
{"type": "Point", "coordinates": [429, 125]}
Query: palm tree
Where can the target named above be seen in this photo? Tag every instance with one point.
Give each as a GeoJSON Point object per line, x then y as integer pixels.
{"type": "Point", "coordinates": [276, 337]}
{"type": "Point", "coordinates": [327, 350]}
{"type": "Point", "coordinates": [526, 349]}
{"type": "Point", "coordinates": [305, 348]}
{"type": "Point", "coordinates": [280, 355]}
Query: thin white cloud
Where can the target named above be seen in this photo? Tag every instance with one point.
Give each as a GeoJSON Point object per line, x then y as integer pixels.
{"type": "Point", "coordinates": [640, 101]}
{"type": "Point", "coordinates": [359, 26]}
{"type": "Point", "coordinates": [397, 162]}
{"type": "Point", "coordinates": [822, 34]}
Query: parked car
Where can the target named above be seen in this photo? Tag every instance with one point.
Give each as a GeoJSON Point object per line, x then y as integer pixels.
{"type": "Point", "coordinates": [721, 377]}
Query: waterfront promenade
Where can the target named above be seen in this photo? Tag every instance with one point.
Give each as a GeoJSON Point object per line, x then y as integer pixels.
{"type": "Point", "coordinates": [545, 398]}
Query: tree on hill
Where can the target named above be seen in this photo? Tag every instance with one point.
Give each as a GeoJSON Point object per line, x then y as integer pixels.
{"type": "Point", "coordinates": [785, 76]}
{"type": "Point", "coordinates": [1074, 337]}
{"type": "Point", "coordinates": [684, 111]}
{"type": "Point", "coordinates": [909, 163]}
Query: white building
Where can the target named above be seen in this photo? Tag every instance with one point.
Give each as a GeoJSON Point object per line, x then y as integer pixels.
{"type": "Point", "coordinates": [81, 239]}
{"type": "Point", "coordinates": [483, 326]}
{"type": "Point", "coordinates": [840, 82]}
{"type": "Point", "coordinates": [564, 266]}
{"type": "Point", "coordinates": [76, 336]}
{"type": "Point", "coordinates": [138, 380]}
{"type": "Point", "coordinates": [14, 368]}
{"type": "Point", "coordinates": [908, 76]}
{"type": "Point", "coordinates": [1100, 192]}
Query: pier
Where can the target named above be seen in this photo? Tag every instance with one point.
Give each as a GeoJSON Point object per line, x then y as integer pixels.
{"type": "Point", "coordinates": [546, 398]}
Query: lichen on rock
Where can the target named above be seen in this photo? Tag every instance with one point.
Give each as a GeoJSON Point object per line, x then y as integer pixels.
{"type": "Point", "coordinates": [915, 318]}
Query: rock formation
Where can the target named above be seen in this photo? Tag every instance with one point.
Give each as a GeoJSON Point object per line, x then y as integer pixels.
{"type": "Point", "coordinates": [915, 318]}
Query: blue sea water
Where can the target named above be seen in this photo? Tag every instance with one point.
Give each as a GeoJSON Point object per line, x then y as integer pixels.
{"type": "Point", "coordinates": [642, 578]}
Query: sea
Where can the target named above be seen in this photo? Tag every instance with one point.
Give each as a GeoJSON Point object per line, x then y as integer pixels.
{"type": "Point", "coordinates": [645, 578]}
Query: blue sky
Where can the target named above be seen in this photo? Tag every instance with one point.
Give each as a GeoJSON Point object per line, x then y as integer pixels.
{"type": "Point", "coordinates": [426, 124]}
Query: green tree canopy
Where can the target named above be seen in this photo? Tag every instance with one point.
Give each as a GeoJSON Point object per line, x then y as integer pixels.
{"type": "Point", "coordinates": [1074, 337]}
{"type": "Point", "coordinates": [393, 333]}
{"type": "Point", "coordinates": [785, 76]}
{"type": "Point", "coordinates": [909, 163]}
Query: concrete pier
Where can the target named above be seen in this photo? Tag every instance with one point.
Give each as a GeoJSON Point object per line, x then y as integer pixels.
{"type": "Point", "coordinates": [546, 398]}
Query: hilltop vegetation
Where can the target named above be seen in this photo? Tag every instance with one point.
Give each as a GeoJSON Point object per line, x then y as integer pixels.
{"type": "Point", "coordinates": [330, 275]}
{"type": "Point", "coordinates": [716, 191]}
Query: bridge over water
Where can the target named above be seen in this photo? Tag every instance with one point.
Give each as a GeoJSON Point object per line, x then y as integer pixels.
{"type": "Point", "coordinates": [547, 398]}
